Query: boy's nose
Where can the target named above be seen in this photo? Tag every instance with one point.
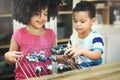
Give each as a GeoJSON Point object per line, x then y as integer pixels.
{"type": "Point", "coordinates": [78, 23]}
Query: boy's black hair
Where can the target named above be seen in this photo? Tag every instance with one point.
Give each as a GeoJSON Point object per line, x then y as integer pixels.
{"type": "Point", "coordinates": [86, 6]}
{"type": "Point", "coordinates": [25, 9]}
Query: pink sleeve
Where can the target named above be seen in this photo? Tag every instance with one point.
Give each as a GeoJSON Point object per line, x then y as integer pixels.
{"type": "Point", "coordinates": [54, 38]}
{"type": "Point", "coordinates": [51, 37]}
{"type": "Point", "coordinates": [17, 35]}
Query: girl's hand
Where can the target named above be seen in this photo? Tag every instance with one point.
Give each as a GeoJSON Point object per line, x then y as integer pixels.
{"type": "Point", "coordinates": [12, 56]}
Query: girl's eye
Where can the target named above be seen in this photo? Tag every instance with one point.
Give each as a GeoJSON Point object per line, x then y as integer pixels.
{"type": "Point", "coordinates": [37, 14]}
{"type": "Point", "coordinates": [46, 14]}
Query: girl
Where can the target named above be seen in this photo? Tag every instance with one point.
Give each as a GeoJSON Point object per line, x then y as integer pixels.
{"type": "Point", "coordinates": [29, 46]}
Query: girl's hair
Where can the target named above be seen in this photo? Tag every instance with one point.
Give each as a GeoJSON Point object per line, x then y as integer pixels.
{"type": "Point", "coordinates": [25, 9]}
{"type": "Point", "coordinates": [86, 6]}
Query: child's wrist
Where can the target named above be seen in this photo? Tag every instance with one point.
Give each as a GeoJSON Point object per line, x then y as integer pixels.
{"type": "Point", "coordinates": [81, 52]}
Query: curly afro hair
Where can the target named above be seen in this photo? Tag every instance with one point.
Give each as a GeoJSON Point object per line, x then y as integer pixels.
{"type": "Point", "coordinates": [25, 9]}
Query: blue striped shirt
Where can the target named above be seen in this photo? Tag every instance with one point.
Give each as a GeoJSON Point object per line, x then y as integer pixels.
{"type": "Point", "coordinates": [93, 41]}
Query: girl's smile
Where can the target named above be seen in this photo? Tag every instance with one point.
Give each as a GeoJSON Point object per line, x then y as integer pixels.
{"type": "Point", "coordinates": [41, 22]}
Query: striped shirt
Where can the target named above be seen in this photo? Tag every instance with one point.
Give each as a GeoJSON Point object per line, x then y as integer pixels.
{"type": "Point", "coordinates": [93, 41]}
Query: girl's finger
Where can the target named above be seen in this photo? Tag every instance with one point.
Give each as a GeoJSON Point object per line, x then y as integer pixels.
{"type": "Point", "coordinates": [18, 53]}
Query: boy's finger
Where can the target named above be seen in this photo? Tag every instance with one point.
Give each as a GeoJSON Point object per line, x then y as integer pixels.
{"type": "Point", "coordinates": [69, 46]}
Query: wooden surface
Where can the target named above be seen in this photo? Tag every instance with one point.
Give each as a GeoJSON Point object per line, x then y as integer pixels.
{"type": "Point", "coordinates": [102, 72]}
{"type": "Point", "coordinates": [4, 46]}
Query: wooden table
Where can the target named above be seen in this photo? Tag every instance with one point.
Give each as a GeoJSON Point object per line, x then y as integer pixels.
{"type": "Point", "coordinates": [102, 72]}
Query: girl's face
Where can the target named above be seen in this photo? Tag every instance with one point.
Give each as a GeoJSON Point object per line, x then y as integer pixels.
{"type": "Point", "coordinates": [38, 21]}
{"type": "Point", "coordinates": [82, 22]}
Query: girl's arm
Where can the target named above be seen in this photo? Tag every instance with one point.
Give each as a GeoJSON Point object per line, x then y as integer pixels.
{"type": "Point", "coordinates": [12, 55]}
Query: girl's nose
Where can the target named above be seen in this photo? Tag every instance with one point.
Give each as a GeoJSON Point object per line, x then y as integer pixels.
{"type": "Point", "coordinates": [40, 16]}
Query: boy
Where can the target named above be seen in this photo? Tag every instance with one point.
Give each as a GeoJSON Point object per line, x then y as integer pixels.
{"type": "Point", "coordinates": [87, 44]}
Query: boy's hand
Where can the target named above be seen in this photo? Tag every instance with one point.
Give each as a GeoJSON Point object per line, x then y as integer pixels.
{"type": "Point", "coordinates": [73, 51]}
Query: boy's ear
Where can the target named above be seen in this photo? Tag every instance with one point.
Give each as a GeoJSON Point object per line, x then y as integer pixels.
{"type": "Point", "coordinates": [93, 20]}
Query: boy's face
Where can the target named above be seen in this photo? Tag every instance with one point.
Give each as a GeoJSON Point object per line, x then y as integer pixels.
{"type": "Point", "coordinates": [82, 22]}
{"type": "Point", "coordinates": [39, 20]}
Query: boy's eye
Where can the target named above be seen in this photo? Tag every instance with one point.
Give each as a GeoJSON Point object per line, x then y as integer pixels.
{"type": "Point", "coordinates": [74, 21]}
{"type": "Point", "coordinates": [83, 21]}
